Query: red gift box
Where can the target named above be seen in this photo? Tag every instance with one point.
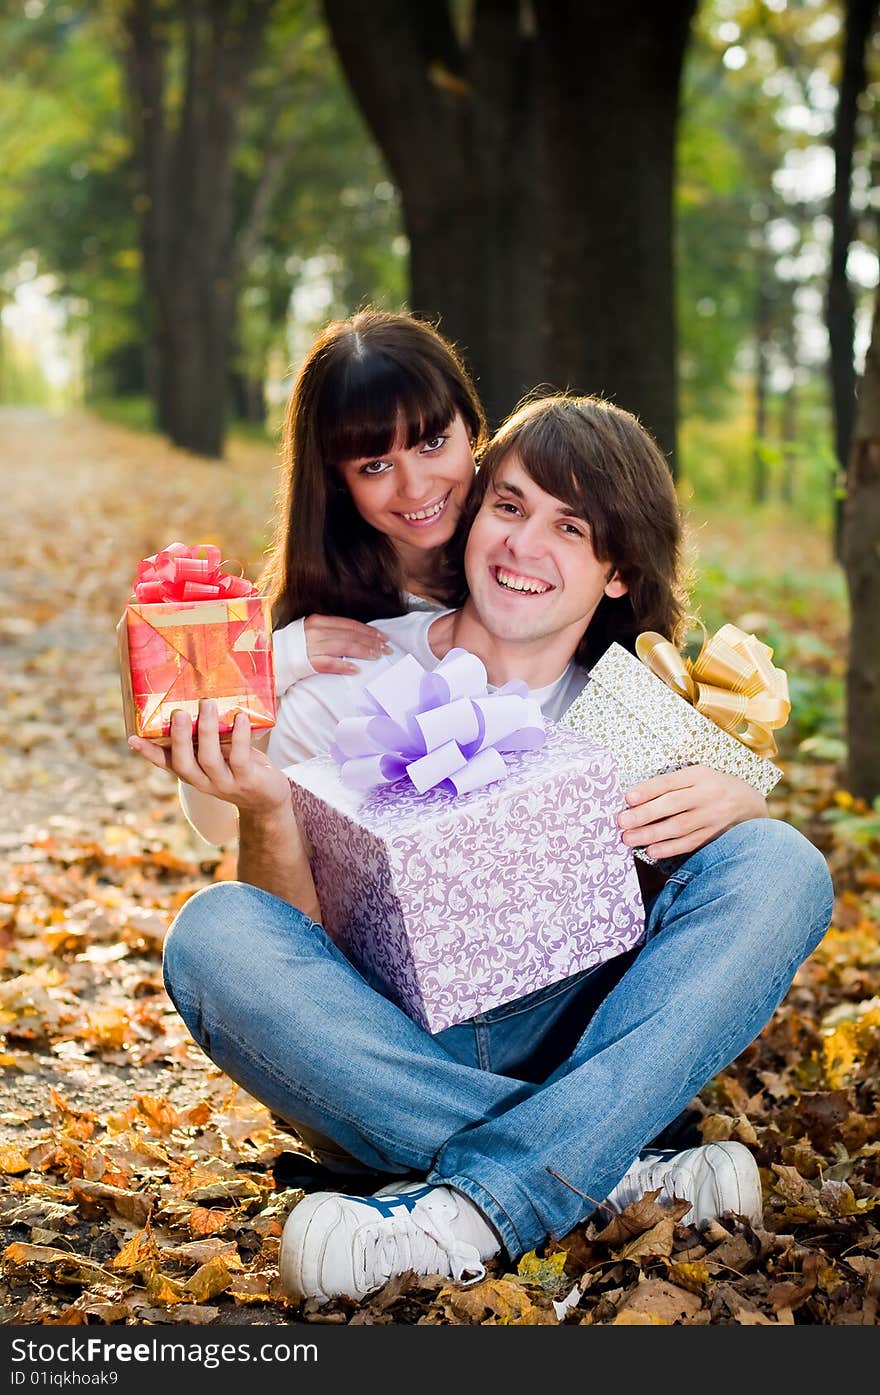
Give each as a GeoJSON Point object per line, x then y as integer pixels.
{"type": "Point", "coordinates": [191, 631]}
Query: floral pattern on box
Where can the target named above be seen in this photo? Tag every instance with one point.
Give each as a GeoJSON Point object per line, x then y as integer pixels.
{"type": "Point", "coordinates": [455, 905]}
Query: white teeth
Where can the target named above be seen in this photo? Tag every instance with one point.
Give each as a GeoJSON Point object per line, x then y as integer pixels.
{"type": "Point", "coordinates": [520, 583]}
{"type": "Point", "coordinates": [425, 513]}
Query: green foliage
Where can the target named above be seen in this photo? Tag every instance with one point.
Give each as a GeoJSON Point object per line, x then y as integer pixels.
{"type": "Point", "coordinates": [66, 196]}
{"type": "Point", "coordinates": [758, 97]}
{"type": "Point", "coordinates": [860, 826]}
{"type": "Point", "coordinates": [716, 459]}
{"type": "Point", "coordinates": [751, 568]}
{"type": "Point", "coordinates": [134, 412]}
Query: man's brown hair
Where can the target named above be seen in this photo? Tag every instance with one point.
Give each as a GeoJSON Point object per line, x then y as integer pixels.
{"type": "Point", "coordinates": [599, 460]}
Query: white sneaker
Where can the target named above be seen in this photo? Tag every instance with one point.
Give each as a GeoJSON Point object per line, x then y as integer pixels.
{"type": "Point", "coordinates": [334, 1244]}
{"type": "Point", "coordinates": [716, 1178]}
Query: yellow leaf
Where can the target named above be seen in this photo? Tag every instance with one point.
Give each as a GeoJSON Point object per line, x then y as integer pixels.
{"type": "Point", "coordinates": [58, 1266]}
{"type": "Point", "coordinates": [211, 1278]}
{"type": "Point", "coordinates": [108, 1026]}
{"type": "Point", "coordinates": [548, 1273]}
{"type": "Point", "coordinates": [161, 1289]}
{"type": "Point", "coordinates": [12, 1159]}
{"type": "Point", "coordinates": [506, 1302]}
{"type": "Point", "coordinates": [159, 1111]}
{"type": "Point", "coordinates": [690, 1274]}
{"type": "Point", "coordinates": [138, 1254]}
{"type": "Point", "coordinates": [847, 1043]}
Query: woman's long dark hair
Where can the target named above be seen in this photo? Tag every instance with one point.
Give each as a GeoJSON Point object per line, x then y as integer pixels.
{"type": "Point", "coordinates": [366, 381]}
{"type": "Point", "coordinates": [600, 460]}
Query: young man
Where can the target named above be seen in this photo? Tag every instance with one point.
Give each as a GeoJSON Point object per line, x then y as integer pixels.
{"type": "Point", "coordinates": [518, 1122]}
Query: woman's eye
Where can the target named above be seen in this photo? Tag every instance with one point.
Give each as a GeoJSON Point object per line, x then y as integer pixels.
{"type": "Point", "coordinates": [434, 443]}
{"type": "Point", "coordinates": [375, 467]}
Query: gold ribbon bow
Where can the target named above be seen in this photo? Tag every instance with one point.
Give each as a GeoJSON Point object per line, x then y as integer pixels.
{"type": "Point", "coordinates": [732, 682]}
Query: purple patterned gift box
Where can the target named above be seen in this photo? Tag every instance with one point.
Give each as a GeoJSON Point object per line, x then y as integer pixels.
{"type": "Point", "coordinates": [457, 903]}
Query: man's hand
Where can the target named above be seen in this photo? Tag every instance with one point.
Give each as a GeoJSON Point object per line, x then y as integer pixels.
{"type": "Point", "coordinates": [272, 854]}
{"type": "Point", "coordinates": [674, 814]}
{"type": "Point", "coordinates": [234, 770]}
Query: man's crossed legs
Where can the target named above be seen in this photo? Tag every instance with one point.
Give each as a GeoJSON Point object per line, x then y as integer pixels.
{"type": "Point", "coordinates": [525, 1118]}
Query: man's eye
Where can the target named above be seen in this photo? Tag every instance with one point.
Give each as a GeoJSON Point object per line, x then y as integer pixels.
{"type": "Point", "coordinates": [434, 443]}
{"type": "Point", "coordinates": [504, 505]}
{"type": "Point", "coordinates": [573, 530]}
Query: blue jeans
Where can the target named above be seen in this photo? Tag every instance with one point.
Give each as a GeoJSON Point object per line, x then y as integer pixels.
{"type": "Point", "coordinates": [536, 1109]}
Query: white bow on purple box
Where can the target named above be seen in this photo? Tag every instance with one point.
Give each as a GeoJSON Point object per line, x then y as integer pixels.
{"type": "Point", "coordinates": [436, 727]}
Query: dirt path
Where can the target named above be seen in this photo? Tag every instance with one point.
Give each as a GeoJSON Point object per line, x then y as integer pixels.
{"type": "Point", "coordinates": [83, 501]}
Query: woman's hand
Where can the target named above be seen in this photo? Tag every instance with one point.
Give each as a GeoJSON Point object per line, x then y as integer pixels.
{"type": "Point", "coordinates": [236, 771]}
{"type": "Point", "coordinates": [674, 814]}
{"type": "Point", "coordinates": [331, 641]}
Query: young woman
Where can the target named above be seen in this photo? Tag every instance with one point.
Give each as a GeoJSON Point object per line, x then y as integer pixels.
{"type": "Point", "coordinates": [378, 445]}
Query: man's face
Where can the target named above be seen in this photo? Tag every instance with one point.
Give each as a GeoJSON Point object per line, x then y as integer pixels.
{"type": "Point", "coordinates": [529, 562]}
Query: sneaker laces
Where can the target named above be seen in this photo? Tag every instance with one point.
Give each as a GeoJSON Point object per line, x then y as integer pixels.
{"type": "Point", "coordinates": [421, 1240]}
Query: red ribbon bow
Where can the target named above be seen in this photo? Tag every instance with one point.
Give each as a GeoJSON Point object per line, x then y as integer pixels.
{"type": "Point", "coordinates": [181, 573]}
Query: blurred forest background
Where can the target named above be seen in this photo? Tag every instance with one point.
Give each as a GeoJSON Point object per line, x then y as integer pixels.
{"type": "Point", "coordinates": [675, 205]}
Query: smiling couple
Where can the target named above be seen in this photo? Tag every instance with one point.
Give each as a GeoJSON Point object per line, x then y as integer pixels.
{"type": "Point", "coordinates": [508, 1129]}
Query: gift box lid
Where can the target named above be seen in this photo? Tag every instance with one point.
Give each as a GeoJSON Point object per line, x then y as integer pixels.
{"type": "Point", "coordinates": [398, 810]}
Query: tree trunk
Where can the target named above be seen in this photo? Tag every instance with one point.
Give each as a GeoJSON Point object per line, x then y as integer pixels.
{"type": "Point", "coordinates": [457, 127]}
{"type": "Point", "coordinates": [763, 318]}
{"type": "Point", "coordinates": [186, 206]}
{"type": "Point", "coordinates": [538, 204]}
{"type": "Point", "coordinates": [861, 556]}
{"type": "Point", "coordinates": [788, 430]}
{"type": "Point", "coordinates": [248, 398]}
{"type": "Point", "coordinates": [840, 310]}
{"type": "Point", "coordinates": [611, 89]}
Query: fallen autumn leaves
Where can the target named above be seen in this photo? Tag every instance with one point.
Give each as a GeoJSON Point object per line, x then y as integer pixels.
{"type": "Point", "coordinates": [137, 1181]}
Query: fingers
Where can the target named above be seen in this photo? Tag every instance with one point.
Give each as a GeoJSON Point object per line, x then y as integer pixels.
{"type": "Point", "coordinates": [661, 807]}
{"type": "Point", "coordinates": [689, 825]}
{"type": "Point", "coordinates": [356, 647]}
{"type": "Point", "coordinates": [685, 778]}
{"type": "Point", "coordinates": [209, 757]}
{"type": "Point", "coordinates": [341, 624]}
{"type": "Point", "coordinates": [240, 752]}
{"type": "Point", "coordinates": [675, 847]}
{"type": "Point", "coordinates": [228, 766]}
{"type": "Point", "coordinates": [327, 665]}
{"type": "Point", "coordinates": [156, 755]}
{"type": "Point", "coordinates": [334, 637]}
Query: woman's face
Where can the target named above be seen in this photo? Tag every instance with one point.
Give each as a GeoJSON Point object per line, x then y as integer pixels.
{"type": "Point", "coordinates": [415, 495]}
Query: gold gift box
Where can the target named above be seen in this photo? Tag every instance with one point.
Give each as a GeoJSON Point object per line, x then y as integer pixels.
{"type": "Point", "coordinates": [650, 729]}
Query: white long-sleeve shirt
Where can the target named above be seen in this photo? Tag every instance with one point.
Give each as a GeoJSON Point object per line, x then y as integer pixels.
{"type": "Point", "coordinates": [309, 711]}
{"type": "Point", "coordinates": [290, 651]}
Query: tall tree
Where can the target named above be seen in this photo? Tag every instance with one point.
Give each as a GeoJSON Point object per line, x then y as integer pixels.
{"type": "Point", "coordinates": [184, 144]}
{"type": "Point", "coordinates": [861, 555]}
{"type": "Point", "coordinates": [860, 16]}
{"type": "Point", "coordinates": [533, 147]}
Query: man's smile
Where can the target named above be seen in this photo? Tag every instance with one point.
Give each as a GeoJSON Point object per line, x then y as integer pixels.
{"type": "Point", "coordinates": [518, 581]}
